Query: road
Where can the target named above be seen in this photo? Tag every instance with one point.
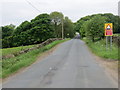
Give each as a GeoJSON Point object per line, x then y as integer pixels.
{"type": "Point", "coordinates": [71, 65]}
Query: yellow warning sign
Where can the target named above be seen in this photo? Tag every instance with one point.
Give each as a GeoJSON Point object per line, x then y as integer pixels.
{"type": "Point", "coordinates": [108, 29]}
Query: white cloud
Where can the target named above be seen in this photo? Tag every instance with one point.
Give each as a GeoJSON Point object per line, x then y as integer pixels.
{"type": "Point", "coordinates": [17, 11]}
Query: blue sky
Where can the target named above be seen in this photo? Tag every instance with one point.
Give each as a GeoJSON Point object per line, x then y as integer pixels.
{"type": "Point", "coordinates": [17, 11]}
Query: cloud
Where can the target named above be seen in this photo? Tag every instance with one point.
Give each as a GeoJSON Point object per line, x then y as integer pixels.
{"type": "Point", "coordinates": [17, 11]}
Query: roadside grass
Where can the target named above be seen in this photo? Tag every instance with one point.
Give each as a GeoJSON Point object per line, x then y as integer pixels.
{"type": "Point", "coordinates": [13, 50]}
{"type": "Point", "coordinates": [99, 48]}
{"type": "Point", "coordinates": [12, 65]}
{"type": "Point", "coordinates": [116, 34]}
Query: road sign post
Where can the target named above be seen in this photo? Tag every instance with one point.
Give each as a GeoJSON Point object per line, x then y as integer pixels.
{"type": "Point", "coordinates": [106, 43]}
{"type": "Point", "coordinates": [111, 42]}
{"type": "Point", "coordinates": [108, 33]}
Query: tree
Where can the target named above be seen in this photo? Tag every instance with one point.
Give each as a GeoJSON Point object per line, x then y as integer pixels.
{"type": "Point", "coordinates": [79, 26]}
{"type": "Point", "coordinates": [68, 28]}
{"type": "Point", "coordinates": [116, 24]}
{"type": "Point", "coordinates": [7, 30]}
{"type": "Point", "coordinates": [95, 27]}
{"type": "Point", "coordinates": [113, 19]}
{"type": "Point", "coordinates": [36, 31]}
{"type": "Point", "coordinates": [82, 29]}
{"type": "Point", "coordinates": [42, 28]}
{"type": "Point", "coordinates": [24, 26]}
{"type": "Point", "coordinates": [95, 23]}
{"type": "Point", "coordinates": [57, 19]}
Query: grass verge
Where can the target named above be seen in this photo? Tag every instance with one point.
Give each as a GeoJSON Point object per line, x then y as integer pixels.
{"type": "Point", "coordinates": [13, 50]}
{"type": "Point", "coordinates": [12, 65]}
{"type": "Point", "coordinates": [99, 48]}
{"type": "Point", "coordinates": [116, 34]}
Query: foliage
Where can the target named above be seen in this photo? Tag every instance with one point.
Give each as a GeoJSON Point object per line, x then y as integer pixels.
{"type": "Point", "coordinates": [7, 30]}
{"type": "Point", "coordinates": [57, 19]}
{"type": "Point", "coordinates": [39, 29]}
{"type": "Point", "coordinates": [115, 20]}
{"type": "Point", "coordinates": [80, 25]}
{"type": "Point", "coordinates": [93, 26]}
{"type": "Point", "coordinates": [68, 28]}
{"type": "Point", "coordinates": [27, 33]}
{"type": "Point", "coordinates": [24, 26]}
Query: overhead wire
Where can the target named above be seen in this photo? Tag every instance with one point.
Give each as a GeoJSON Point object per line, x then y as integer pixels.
{"type": "Point", "coordinates": [32, 5]}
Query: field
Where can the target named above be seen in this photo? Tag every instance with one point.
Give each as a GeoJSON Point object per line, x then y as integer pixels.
{"type": "Point", "coordinates": [12, 65]}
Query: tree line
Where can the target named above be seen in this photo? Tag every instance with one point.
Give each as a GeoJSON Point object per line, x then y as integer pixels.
{"type": "Point", "coordinates": [39, 29]}
{"type": "Point", "coordinates": [92, 26]}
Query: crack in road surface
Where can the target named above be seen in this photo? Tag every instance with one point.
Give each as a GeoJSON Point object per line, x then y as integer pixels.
{"type": "Point", "coordinates": [70, 66]}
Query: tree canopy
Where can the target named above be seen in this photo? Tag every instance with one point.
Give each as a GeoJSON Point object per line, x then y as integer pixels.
{"type": "Point", "coordinates": [57, 20]}
{"type": "Point", "coordinates": [39, 29]}
{"type": "Point", "coordinates": [92, 26]}
{"type": "Point", "coordinates": [45, 26]}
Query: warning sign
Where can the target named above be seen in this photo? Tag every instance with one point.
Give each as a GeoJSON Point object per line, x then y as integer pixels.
{"type": "Point", "coordinates": [108, 29]}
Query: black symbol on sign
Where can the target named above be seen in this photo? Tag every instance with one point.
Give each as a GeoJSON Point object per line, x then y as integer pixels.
{"type": "Point", "coordinates": [108, 27]}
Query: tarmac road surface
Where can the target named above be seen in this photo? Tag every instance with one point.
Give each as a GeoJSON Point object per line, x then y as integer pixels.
{"type": "Point", "coordinates": [71, 65]}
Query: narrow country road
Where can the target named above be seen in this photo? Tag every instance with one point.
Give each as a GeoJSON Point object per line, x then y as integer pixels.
{"type": "Point", "coordinates": [71, 65]}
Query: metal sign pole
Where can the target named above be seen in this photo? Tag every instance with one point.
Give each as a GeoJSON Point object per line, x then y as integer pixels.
{"type": "Point", "coordinates": [111, 42]}
{"type": "Point", "coordinates": [106, 43]}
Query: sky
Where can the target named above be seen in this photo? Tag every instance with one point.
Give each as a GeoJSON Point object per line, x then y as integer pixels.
{"type": "Point", "coordinates": [17, 11]}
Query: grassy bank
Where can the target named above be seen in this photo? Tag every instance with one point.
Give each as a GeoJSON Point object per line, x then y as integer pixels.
{"type": "Point", "coordinates": [12, 65]}
{"type": "Point", "coordinates": [13, 50]}
{"type": "Point", "coordinates": [99, 48]}
{"type": "Point", "coordinates": [116, 35]}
